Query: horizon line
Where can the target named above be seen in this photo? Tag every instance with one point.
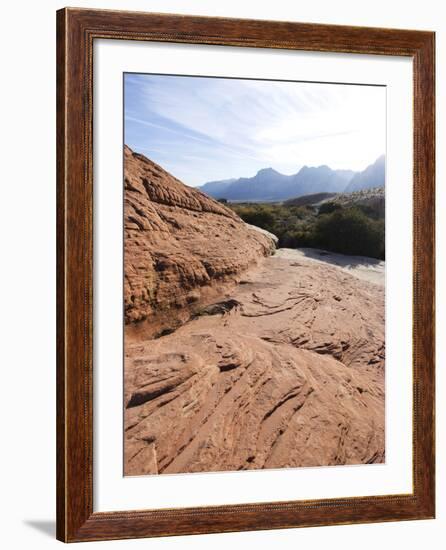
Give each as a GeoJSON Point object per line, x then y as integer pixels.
{"type": "Point", "coordinates": [266, 168]}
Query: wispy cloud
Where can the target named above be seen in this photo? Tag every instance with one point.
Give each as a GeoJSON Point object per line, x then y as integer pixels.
{"type": "Point", "coordinates": [204, 129]}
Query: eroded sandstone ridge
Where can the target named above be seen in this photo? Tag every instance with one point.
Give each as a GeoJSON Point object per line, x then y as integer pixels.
{"type": "Point", "coordinates": [180, 245]}
{"type": "Point", "coordinates": [281, 365]}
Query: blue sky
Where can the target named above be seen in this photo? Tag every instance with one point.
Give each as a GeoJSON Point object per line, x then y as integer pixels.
{"type": "Point", "coordinates": [202, 129]}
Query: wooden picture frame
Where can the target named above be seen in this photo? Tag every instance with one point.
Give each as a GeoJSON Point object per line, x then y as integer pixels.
{"type": "Point", "coordinates": [76, 31]}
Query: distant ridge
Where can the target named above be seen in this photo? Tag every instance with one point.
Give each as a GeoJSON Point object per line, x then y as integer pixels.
{"type": "Point", "coordinates": [373, 176]}
{"type": "Point", "coordinates": [214, 188]}
{"type": "Point", "coordinates": [270, 185]}
{"type": "Point", "coordinates": [307, 200]}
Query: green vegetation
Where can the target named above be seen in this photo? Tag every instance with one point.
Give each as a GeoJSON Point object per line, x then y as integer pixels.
{"type": "Point", "coordinates": [350, 231]}
{"type": "Point", "coordinates": [355, 229]}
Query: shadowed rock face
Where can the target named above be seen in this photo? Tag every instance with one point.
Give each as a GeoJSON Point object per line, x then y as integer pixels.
{"type": "Point", "coordinates": [283, 369]}
{"type": "Point", "coordinates": [179, 244]}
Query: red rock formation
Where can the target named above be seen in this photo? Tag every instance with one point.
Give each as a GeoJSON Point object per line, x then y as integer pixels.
{"type": "Point", "coordinates": [283, 369]}
{"type": "Point", "coordinates": [180, 245]}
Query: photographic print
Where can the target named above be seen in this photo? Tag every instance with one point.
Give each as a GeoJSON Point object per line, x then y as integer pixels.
{"type": "Point", "coordinates": [254, 263]}
{"type": "Point", "coordinates": [245, 274]}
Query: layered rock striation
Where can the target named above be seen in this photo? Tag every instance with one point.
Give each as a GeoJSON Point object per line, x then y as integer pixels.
{"type": "Point", "coordinates": [180, 245]}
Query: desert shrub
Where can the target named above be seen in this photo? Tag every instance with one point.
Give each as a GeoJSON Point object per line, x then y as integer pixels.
{"type": "Point", "coordinates": [350, 231]}
{"type": "Point", "coordinates": [329, 207]}
{"type": "Point", "coordinates": [296, 239]}
{"type": "Point", "coordinates": [373, 210]}
{"type": "Point", "coordinates": [302, 212]}
{"type": "Point", "coordinates": [259, 215]}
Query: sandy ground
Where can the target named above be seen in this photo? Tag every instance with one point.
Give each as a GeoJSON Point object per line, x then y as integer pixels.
{"type": "Point", "coordinates": [367, 269]}
{"type": "Point", "coordinates": [285, 370]}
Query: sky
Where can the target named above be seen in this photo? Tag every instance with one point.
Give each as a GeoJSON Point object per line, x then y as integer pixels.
{"type": "Point", "coordinates": [205, 129]}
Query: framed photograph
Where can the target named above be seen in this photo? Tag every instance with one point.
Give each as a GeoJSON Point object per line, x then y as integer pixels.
{"type": "Point", "coordinates": [245, 275]}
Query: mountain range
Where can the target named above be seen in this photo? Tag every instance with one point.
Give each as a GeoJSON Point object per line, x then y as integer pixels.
{"type": "Point", "coordinates": [270, 185]}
